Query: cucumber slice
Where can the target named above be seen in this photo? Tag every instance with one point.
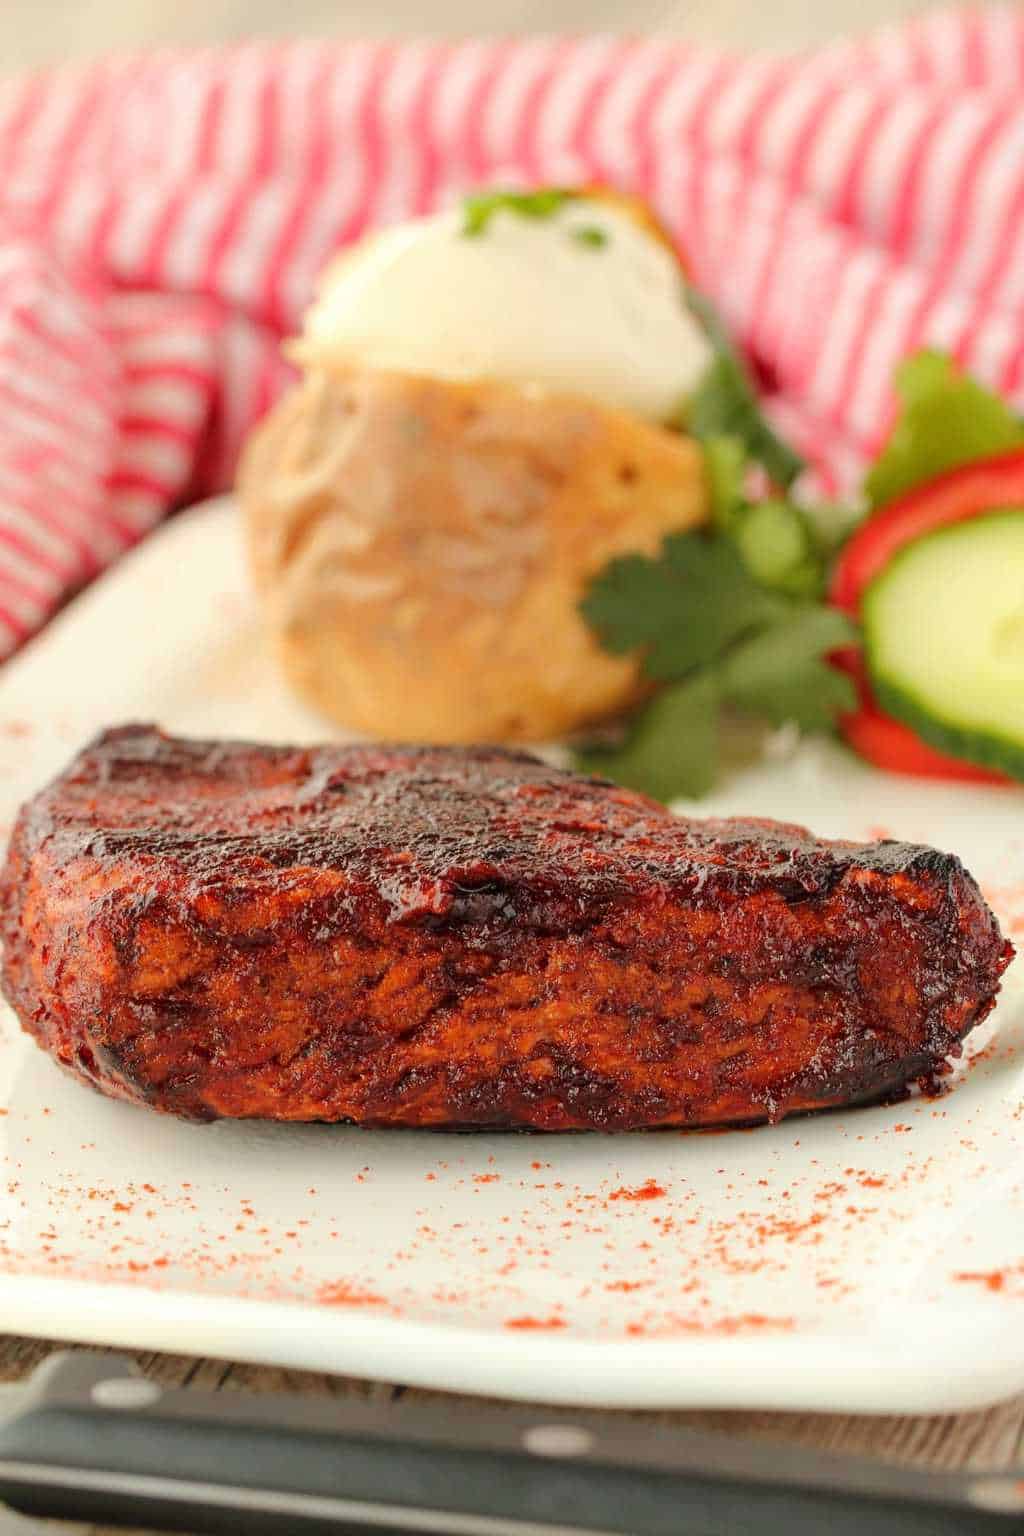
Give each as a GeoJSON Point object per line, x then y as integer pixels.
{"type": "Point", "coordinates": [944, 639]}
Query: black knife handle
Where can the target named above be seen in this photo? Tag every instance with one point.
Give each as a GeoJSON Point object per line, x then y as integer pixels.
{"type": "Point", "coordinates": [92, 1439]}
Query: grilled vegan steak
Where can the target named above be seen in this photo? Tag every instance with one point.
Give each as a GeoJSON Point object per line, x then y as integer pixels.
{"type": "Point", "coordinates": [437, 937]}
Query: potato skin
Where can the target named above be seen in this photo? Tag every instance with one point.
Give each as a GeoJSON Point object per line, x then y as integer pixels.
{"type": "Point", "coordinates": [422, 546]}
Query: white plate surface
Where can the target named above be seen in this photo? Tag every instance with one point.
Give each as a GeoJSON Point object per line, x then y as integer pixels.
{"type": "Point", "coordinates": [870, 1260]}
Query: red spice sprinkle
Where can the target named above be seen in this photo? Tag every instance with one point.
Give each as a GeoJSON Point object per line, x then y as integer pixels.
{"type": "Point", "coordinates": [342, 1294]}
{"type": "Point", "coordinates": [119, 1205]}
{"type": "Point", "coordinates": [626, 1285]}
{"type": "Point", "coordinates": [746, 1322]}
{"type": "Point", "coordinates": [530, 1324]}
{"type": "Point", "coordinates": [431, 1178]}
{"type": "Point", "coordinates": [648, 1191]}
{"type": "Point", "coordinates": [827, 1191]}
{"type": "Point", "coordinates": [486, 1178]}
{"type": "Point", "coordinates": [992, 1279]}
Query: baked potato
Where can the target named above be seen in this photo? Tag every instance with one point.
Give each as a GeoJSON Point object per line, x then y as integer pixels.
{"type": "Point", "coordinates": [480, 427]}
{"type": "Point", "coordinates": [422, 545]}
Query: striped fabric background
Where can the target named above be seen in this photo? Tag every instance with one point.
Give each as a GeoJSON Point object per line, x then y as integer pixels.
{"type": "Point", "coordinates": [162, 220]}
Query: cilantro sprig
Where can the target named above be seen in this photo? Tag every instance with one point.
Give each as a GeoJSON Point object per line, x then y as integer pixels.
{"type": "Point", "coordinates": [683, 609]}
{"type": "Point", "coordinates": [728, 619]}
{"type": "Point", "coordinates": [713, 637]}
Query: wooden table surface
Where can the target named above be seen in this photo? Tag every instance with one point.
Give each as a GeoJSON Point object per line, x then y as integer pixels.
{"type": "Point", "coordinates": [50, 30]}
{"type": "Point", "coordinates": [30, 35]}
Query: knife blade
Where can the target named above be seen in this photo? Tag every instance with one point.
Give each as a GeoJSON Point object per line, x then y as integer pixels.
{"type": "Point", "coordinates": [90, 1438]}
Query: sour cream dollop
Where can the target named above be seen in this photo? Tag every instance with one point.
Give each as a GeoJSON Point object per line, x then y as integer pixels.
{"type": "Point", "coordinates": [584, 300]}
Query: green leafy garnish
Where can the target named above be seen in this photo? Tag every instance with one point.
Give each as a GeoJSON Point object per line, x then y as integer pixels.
{"type": "Point", "coordinates": [479, 208]}
{"type": "Point", "coordinates": [733, 619]}
{"type": "Point", "coordinates": [671, 747]}
{"type": "Point", "coordinates": [589, 234]}
{"type": "Point", "coordinates": [784, 546]}
{"type": "Point", "coordinates": [705, 626]}
{"type": "Point", "coordinates": [725, 404]}
{"type": "Point", "coordinates": [947, 419]}
{"type": "Point", "coordinates": [725, 468]}
{"type": "Point", "coordinates": [730, 619]}
{"type": "Point", "coordinates": [684, 609]}
{"type": "Point", "coordinates": [779, 547]}
{"type": "Point", "coordinates": [782, 675]}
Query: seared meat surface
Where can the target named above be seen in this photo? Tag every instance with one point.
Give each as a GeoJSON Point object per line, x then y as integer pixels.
{"type": "Point", "coordinates": [438, 937]}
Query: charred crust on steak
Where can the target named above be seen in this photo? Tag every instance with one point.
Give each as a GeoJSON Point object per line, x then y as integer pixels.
{"type": "Point", "coordinates": [458, 937]}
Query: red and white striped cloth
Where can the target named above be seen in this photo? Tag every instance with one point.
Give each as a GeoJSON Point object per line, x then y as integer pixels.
{"type": "Point", "coordinates": [162, 220]}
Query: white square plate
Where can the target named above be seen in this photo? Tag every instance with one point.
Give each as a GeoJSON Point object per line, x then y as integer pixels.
{"type": "Point", "coordinates": [870, 1260]}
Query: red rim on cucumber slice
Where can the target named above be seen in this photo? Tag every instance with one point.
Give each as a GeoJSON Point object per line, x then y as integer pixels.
{"type": "Point", "coordinates": [970, 491]}
{"type": "Point", "coordinates": [923, 710]}
{"type": "Point", "coordinates": [889, 744]}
